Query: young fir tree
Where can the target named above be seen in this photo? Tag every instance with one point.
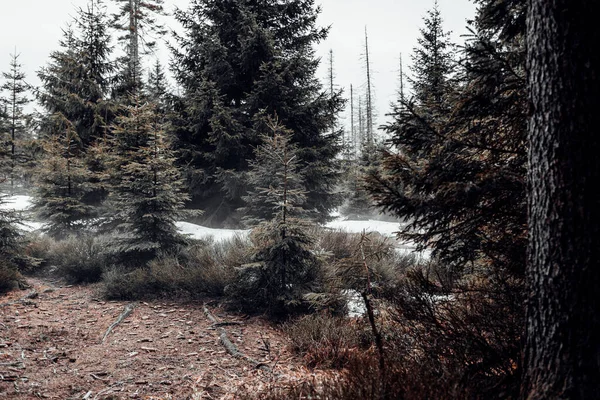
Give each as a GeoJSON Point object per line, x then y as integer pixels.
{"type": "Point", "coordinates": [16, 120]}
{"type": "Point", "coordinates": [240, 61]}
{"type": "Point", "coordinates": [285, 268]}
{"type": "Point", "coordinates": [63, 182]}
{"type": "Point", "coordinates": [137, 20]}
{"type": "Point", "coordinates": [146, 187]}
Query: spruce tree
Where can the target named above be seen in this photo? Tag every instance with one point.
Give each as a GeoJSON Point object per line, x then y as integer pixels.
{"type": "Point", "coordinates": [432, 62]}
{"type": "Point", "coordinates": [275, 179]}
{"type": "Point", "coordinates": [16, 119]}
{"type": "Point", "coordinates": [457, 175]}
{"type": "Point", "coordinates": [75, 83]}
{"type": "Point", "coordinates": [284, 267]}
{"type": "Point", "coordinates": [9, 246]}
{"type": "Point", "coordinates": [146, 188]}
{"type": "Point", "coordinates": [157, 87]}
{"type": "Point", "coordinates": [74, 91]}
{"type": "Point", "coordinates": [63, 182]}
{"type": "Point", "coordinates": [239, 62]}
{"type": "Point", "coordinates": [563, 310]}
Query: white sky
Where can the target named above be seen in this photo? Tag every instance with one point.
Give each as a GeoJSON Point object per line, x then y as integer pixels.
{"type": "Point", "coordinates": [34, 28]}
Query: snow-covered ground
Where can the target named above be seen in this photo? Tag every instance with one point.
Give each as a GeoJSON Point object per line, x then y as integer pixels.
{"type": "Point", "coordinates": [17, 203]}
{"type": "Point", "coordinates": [202, 232]}
{"type": "Point", "coordinates": [388, 229]}
{"type": "Point", "coordinates": [385, 228]}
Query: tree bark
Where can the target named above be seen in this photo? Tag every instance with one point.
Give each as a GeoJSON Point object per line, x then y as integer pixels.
{"type": "Point", "coordinates": [562, 351]}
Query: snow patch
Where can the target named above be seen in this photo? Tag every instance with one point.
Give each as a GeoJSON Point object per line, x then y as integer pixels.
{"type": "Point", "coordinates": [385, 228]}
{"type": "Point", "coordinates": [201, 232]}
{"type": "Point", "coordinates": [354, 303]}
{"type": "Point", "coordinates": [16, 203]}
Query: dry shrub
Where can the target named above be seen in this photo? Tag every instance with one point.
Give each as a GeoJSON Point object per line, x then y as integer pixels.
{"type": "Point", "coordinates": [79, 259]}
{"type": "Point", "coordinates": [360, 379]}
{"type": "Point", "coordinates": [39, 246]}
{"type": "Point", "coordinates": [464, 338]}
{"type": "Point", "coordinates": [9, 277]}
{"type": "Point", "coordinates": [204, 268]}
{"type": "Point", "coordinates": [119, 283]}
{"type": "Point", "coordinates": [441, 342]}
{"type": "Point", "coordinates": [348, 251]}
{"type": "Point", "coordinates": [324, 341]}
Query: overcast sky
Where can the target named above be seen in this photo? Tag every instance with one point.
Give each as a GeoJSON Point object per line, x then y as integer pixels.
{"type": "Point", "coordinates": [33, 27]}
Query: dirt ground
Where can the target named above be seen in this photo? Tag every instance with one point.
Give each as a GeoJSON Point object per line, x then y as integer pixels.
{"type": "Point", "coordinates": [51, 348]}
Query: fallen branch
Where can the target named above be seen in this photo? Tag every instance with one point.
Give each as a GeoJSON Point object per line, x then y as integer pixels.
{"type": "Point", "coordinates": [31, 295]}
{"type": "Point", "coordinates": [230, 347]}
{"type": "Point", "coordinates": [221, 324]}
{"type": "Point", "coordinates": [126, 312]}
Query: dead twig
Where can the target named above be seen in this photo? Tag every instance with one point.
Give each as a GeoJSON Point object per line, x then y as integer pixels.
{"type": "Point", "coordinates": [31, 295]}
{"type": "Point", "coordinates": [230, 347]}
{"type": "Point", "coordinates": [220, 324]}
{"type": "Point", "coordinates": [126, 312]}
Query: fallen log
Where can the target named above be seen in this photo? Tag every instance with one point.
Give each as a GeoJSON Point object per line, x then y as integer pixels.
{"type": "Point", "coordinates": [126, 312]}
{"type": "Point", "coordinates": [230, 347]}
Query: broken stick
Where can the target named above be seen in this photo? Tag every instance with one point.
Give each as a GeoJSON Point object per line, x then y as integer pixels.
{"type": "Point", "coordinates": [31, 295]}
{"type": "Point", "coordinates": [126, 312]}
{"type": "Point", "coordinates": [230, 347]}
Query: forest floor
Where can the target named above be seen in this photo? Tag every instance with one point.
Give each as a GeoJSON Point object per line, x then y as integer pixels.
{"type": "Point", "coordinates": [51, 348]}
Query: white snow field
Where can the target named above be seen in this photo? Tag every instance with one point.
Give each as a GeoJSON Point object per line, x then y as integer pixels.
{"type": "Point", "coordinates": [388, 229]}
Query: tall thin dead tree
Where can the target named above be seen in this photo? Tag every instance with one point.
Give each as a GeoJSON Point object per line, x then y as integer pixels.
{"type": "Point", "coordinates": [368, 95]}
{"type": "Point", "coordinates": [352, 127]}
{"type": "Point", "coordinates": [562, 357]}
{"type": "Point", "coordinates": [331, 76]}
{"type": "Point", "coordinates": [361, 123]}
{"type": "Point", "coordinates": [401, 97]}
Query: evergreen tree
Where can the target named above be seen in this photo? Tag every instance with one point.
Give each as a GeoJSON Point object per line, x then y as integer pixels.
{"type": "Point", "coordinates": [137, 20]}
{"type": "Point", "coordinates": [458, 177]}
{"type": "Point", "coordinates": [432, 62]}
{"type": "Point", "coordinates": [275, 179]}
{"type": "Point", "coordinates": [147, 189]}
{"type": "Point", "coordinates": [16, 120]}
{"type": "Point", "coordinates": [157, 87]}
{"type": "Point", "coordinates": [9, 246]}
{"type": "Point", "coordinates": [239, 62]}
{"type": "Point", "coordinates": [285, 268]}
{"type": "Point", "coordinates": [74, 95]}
{"type": "Point", "coordinates": [76, 81]}
{"type": "Point", "coordinates": [63, 182]}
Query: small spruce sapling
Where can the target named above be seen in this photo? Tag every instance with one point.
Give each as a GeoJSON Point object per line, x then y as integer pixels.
{"type": "Point", "coordinates": [284, 268]}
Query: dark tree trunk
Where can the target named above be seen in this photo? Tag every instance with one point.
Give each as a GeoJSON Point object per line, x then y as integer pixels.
{"type": "Point", "coordinates": [562, 355]}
